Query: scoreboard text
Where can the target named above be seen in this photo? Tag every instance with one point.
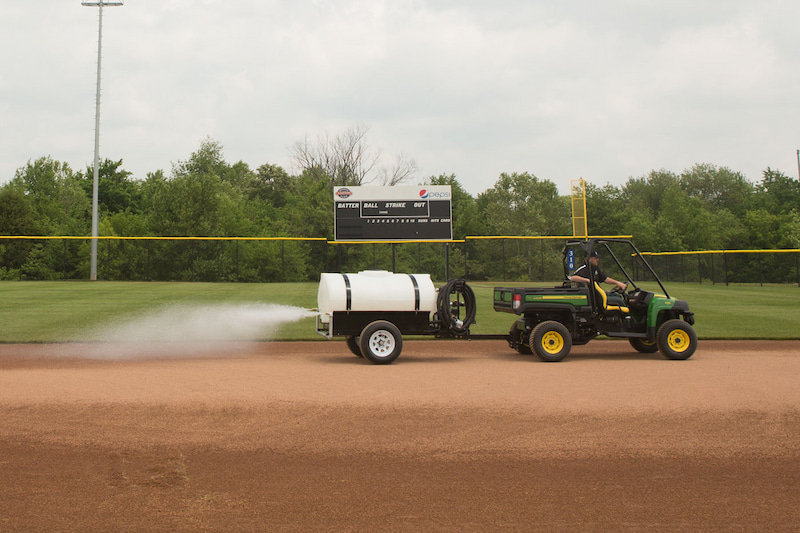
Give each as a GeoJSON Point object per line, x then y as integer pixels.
{"type": "Point", "coordinates": [393, 213]}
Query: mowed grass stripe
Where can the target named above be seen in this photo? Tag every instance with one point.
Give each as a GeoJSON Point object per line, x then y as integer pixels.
{"type": "Point", "coordinates": [43, 311]}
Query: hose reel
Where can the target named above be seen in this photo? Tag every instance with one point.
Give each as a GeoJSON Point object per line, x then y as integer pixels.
{"type": "Point", "coordinates": [456, 307]}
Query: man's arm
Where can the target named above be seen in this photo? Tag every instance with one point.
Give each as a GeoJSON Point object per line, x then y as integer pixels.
{"type": "Point", "coordinates": [619, 284]}
{"type": "Point", "coordinates": [579, 275]}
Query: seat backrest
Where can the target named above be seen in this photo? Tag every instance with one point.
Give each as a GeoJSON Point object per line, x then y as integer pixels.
{"type": "Point", "coordinates": [602, 297]}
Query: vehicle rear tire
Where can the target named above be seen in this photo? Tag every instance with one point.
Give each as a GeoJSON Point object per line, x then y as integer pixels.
{"type": "Point", "coordinates": [352, 344]}
{"type": "Point", "coordinates": [676, 339]}
{"type": "Point", "coordinates": [642, 346]}
{"type": "Point", "coordinates": [550, 341]}
{"type": "Point", "coordinates": [381, 342]}
{"type": "Point", "coordinates": [519, 337]}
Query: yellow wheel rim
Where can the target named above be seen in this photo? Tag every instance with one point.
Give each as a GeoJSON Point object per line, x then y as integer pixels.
{"type": "Point", "coordinates": [552, 342]}
{"type": "Point", "coordinates": [678, 340]}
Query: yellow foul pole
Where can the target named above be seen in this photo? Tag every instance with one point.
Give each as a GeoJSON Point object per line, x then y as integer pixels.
{"type": "Point", "coordinates": [579, 219]}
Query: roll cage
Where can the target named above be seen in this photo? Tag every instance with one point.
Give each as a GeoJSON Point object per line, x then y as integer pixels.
{"type": "Point", "coordinates": [576, 252]}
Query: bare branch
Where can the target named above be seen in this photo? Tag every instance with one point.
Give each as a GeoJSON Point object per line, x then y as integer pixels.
{"type": "Point", "coordinates": [347, 159]}
{"type": "Point", "coordinates": [403, 170]}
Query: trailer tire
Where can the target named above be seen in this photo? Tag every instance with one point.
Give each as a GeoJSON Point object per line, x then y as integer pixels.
{"type": "Point", "coordinates": [676, 340]}
{"type": "Point", "coordinates": [381, 342]}
{"type": "Point", "coordinates": [551, 341]}
{"type": "Point", "coordinates": [352, 345]}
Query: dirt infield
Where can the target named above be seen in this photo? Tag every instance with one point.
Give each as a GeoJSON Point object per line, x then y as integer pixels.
{"type": "Point", "coordinates": [455, 436]}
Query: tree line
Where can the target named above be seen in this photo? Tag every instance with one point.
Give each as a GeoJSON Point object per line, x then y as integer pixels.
{"type": "Point", "coordinates": [702, 208]}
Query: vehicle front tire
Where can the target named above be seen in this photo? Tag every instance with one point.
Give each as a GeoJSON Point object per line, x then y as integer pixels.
{"type": "Point", "coordinates": [550, 341]}
{"type": "Point", "coordinates": [381, 342]}
{"type": "Point", "coordinates": [642, 346]}
{"type": "Point", "coordinates": [676, 339]}
{"type": "Point", "coordinates": [352, 345]}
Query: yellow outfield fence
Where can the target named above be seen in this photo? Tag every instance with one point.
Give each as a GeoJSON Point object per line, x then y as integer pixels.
{"type": "Point", "coordinates": [274, 259]}
{"type": "Point", "coordinates": [781, 265]}
{"type": "Point", "coordinates": [145, 238]}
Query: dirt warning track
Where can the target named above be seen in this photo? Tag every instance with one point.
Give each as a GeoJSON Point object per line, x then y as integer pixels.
{"type": "Point", "coordinates": [455, 436]}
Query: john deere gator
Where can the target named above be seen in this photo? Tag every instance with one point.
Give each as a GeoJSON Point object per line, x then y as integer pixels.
{"type": "Point", "coordinates": [552, 320]}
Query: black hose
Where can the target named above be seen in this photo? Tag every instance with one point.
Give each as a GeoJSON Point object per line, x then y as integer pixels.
{"type": "Point", "coordinates": [450, 315]}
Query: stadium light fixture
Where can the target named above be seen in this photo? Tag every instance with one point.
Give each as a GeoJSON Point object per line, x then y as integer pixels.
{"type": "Point", "coordinates": [100, 4]}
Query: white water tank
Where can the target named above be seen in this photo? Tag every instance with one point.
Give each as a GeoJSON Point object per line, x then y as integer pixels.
{"type": "Point", "coordinates": [375, 290]}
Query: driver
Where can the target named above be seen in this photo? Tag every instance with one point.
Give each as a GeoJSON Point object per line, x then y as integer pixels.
{"type": "Point", "coordinates": [582, 275]}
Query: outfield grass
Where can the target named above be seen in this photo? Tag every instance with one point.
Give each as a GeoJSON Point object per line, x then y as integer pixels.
{"type": "Point", "coordinates": [43, 311]}
{"type": "Point", "coordinates": [38, 311]}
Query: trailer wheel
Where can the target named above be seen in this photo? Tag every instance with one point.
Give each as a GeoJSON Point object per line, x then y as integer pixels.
{"type": "Point", "coordinates": [642, 346]}
{"type": "Point", "coordinates": [381, 342]}
{"type": "Point", "coordinates": [550, 341]}
{"type": "Point", "coordinates": [677, 339]}
{"type": "Point", "coordinates": [352, 344]}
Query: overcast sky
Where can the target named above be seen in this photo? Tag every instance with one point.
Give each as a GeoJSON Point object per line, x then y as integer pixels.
{"type": "Point", "coordinates": [603, 90]}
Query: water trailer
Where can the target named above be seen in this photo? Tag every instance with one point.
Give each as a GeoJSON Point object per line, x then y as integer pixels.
{"type": "Point", "coordinates": [373, 309]}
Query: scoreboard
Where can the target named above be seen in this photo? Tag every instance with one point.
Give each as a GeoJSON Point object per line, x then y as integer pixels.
{"type": "Point", "coordinates": [393, 213]}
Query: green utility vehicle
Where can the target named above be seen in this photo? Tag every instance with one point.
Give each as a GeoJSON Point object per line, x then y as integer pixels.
{"type": "Point", "coordinates": [552, 320]}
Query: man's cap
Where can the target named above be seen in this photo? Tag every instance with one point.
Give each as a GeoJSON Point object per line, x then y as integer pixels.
{"type": "Point", "coordinates": [594, 254]}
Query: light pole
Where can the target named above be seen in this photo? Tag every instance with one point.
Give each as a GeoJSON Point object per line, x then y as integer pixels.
{"type": "Point", "coordinates": [95, 217]}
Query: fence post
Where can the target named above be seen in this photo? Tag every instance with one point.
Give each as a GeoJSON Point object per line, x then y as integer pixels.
{"type": "Point", "coordinates": [760, 271]}
{"type": "Point", "coordinates": [699, 271]}
{"type": "Point", "coordinates": [713, 281]}
{"type": "Point", "coordinates": [339, 256]}
{"type": "Point", "coordinates": [219, 245]}
{"type": "Point", "coordinates": [725, 265]}
{"type": "Point", "coordinates": [466, 264]}
{"type": "Point", "coordinates": [446, 261]}
{"type": "Point", "coordinates": [503, 248]}
{"type": "Point", "coordinates": [541, 254]}
{"type": "Point", "coordinates": [283, 260]}
{"type": "Point", "coordinates": [683, 271]}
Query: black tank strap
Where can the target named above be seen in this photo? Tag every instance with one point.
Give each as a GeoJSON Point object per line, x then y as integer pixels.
{"type": "Point", "coordinates": [348, 292]}
{"type": "Point", "coordinates": [416, 291]}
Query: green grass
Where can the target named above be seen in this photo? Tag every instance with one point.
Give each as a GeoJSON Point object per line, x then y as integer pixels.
{"type": "Point", "coordinates": [43, 311]}
{"type": "Point", "coordinates": [744, 311]}
{"type": "Point", "coordinates": [38, 311]}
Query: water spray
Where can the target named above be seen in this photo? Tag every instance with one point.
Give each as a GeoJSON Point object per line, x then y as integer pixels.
{"type": "Point", "coordinates": [189, 330]}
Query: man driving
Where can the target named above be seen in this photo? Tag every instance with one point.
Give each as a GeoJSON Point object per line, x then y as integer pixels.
{"type": "Point", "coordinates": [582, 274]}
